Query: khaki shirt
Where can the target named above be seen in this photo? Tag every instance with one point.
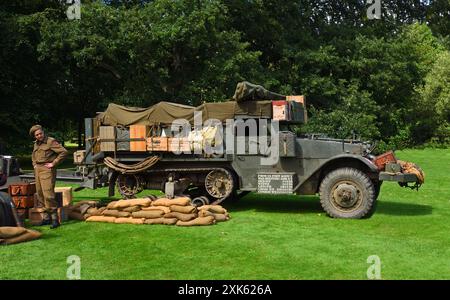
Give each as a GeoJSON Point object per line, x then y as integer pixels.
{"type": "Point", "coordinates": [49, 151]}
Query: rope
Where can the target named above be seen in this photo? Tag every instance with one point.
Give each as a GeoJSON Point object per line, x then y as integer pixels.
{"type": "Point", "coordinates": [131, 169]}
{"type": "Point", "coordinates": [411, 168]}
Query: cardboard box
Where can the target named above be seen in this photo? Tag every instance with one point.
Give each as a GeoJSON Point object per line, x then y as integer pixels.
{"type": "Point", "coordinates": [179, 145]}
{"type": "Point", "coordinates": [157, 144]}
{"type": "Point", "coordinates": [66, 195]}
{"type": "Point", "coordinates": [22, 189]}
{"type": "Point", "coordinates": [23, 201]}
{"type": "Point", "coordinates": [138, 133]}
{"type": "Point", "coordinates": [280, 110]}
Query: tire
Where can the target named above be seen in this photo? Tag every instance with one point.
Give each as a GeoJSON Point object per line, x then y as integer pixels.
{"type": "Point", "coordinates": [347, 193]}
{"type": "Point", "coordinates": [6, 213]}
{"type": "Point", "coordinates": [377, 186]}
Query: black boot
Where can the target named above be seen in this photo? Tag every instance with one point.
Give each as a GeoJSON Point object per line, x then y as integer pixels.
{"type": "Point", "coordinates": [55, 221]}
{"type": "Point", "coordinates": [46, 220]}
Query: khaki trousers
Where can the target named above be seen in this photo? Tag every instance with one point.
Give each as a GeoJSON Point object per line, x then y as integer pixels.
{"type": "Point", "coordinates": [45, 187]}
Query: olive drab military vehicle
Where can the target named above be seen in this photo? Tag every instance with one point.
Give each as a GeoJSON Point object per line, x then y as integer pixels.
{"type": "Point", "coordinates": [223, 150]}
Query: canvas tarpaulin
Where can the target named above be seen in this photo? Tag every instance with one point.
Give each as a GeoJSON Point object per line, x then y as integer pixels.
{"type": "Point", "coordinates": [246, 91]}
{"type": "Point", "coordinates": [161, 113]}
{"type": "Point", "coordinates": [164, 113]}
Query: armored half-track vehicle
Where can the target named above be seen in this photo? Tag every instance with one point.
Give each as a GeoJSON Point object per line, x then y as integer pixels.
{"type": "Point", "coordinates": [229, 149]}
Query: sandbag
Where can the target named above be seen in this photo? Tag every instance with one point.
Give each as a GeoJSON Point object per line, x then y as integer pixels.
{"type": "Point", "coordinates": [128, 221]}
{"type": "Point", "coordinates": [209, 220]}
{"type": "Point", "coordinates": [116, 213]}
{"type": "Point", "coordinates": [151, 214]}
{"type": "Point", "coordinates": [132, 209]}
{"type": "Point", "coordinates": [165, 209]}
{"type": "Point", "coordinates": [180, 216]}
{"type": "Point", "coordinates": [84, 202]}
{"type": "Point", "coordinates": [183, 209]}
{"type": "Point", "coordinates": [217, 209]}
{"type": "Point", "coordinates": [101, 219]}
{"type": "Point", "coordinates": [74, 215]}
{"type": "Point", "coordinates": [164, 221]}
{"type": "Point", "coordinates": [28, 235]}
{"type": "Point", "coordinates": [221, 217]}
{"type": "Point", "coordinates": [111, 204]}
{"type": "Point", "coordinates": [155, 221]}
{"type": "Point", "coordinates": [10, 232]}
{"type": "Point", "coordinates": [217, 217]}
{"type": "Point", "coordinates": [84, 208]}
{"type": "Point", "coordinates": [182, 201]}
{"type": "Point", "coordinates": [132, 202]}
{"type": "Point", "coordinates": [101, 209]}
{"type": "Point", "coordinates": [93, 211]}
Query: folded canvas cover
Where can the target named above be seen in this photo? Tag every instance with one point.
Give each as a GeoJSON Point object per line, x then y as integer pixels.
{"type": "Point", "coordinates": [164, 113]}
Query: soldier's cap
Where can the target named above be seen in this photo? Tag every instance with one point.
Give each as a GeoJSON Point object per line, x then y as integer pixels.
{"type": "Point", "coordinates": [33, 129]}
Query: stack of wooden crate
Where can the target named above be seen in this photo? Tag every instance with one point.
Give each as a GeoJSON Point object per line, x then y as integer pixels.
{"type": "Point", "coordinates": [22, 194]}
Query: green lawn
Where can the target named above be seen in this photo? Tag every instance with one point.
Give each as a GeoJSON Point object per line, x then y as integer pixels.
{"type": "Point", "coordinates": [267, 238]}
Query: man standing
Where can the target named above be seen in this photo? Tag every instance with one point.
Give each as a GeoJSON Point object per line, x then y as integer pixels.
{"type": "Point", "coordinates": [47, 154]}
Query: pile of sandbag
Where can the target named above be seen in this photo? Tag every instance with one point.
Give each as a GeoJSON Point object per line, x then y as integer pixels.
{"type": "Point", "coordinates": [83, 210]}
{"type": "Point", "coordinates": [14, 235]}
{"type": "Point", "coordinates": [177, 211]}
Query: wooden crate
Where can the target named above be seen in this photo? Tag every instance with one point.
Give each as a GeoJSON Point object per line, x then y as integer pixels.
{"type": "Point", "coordinates": [22, 189]}
{"type": "Point", "coordinates": [36, 216]}
{"type": "Point", "coordinates": [66, 195]}
{"type": "Point", "coordinates": [138, 133]}
{"type": "Point", "coordinates": [23, 201]}
{"type": "Point", "coordinates": [178, 145]}
{"type": "Point", "coordinates": [157, 144]}
{"type": "Point", "coordinates": [107, 138]}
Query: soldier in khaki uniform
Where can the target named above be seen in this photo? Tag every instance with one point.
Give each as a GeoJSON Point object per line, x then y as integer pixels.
{"type": "Point", "coordinates": [47, 154]}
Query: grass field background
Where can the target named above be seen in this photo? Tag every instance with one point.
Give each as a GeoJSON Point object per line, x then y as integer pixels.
{"type": "Point", "coordinates": [282, 237]}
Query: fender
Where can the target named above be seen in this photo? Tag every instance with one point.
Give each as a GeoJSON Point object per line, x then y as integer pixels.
{"type": "Point", "coordinates": [344, 159]}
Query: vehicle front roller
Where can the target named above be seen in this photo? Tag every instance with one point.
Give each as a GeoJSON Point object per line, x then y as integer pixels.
{"type": "Point", "coordinates": [347, 193]}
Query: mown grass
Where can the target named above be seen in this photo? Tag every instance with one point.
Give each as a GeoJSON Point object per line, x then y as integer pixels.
{"type": "Point", "coordinates": [284, 237]}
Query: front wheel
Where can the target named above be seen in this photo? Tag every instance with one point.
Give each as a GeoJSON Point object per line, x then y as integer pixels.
{"type": "Point", "coordinates": [347, 193]}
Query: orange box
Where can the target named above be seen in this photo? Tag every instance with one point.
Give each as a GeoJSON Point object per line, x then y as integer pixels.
{"type": "Point", "coordinates": [138, 133]}
{"type": "Point", "coordinates": [179, 145]}
{"type": "Point", "coordinates": [381, 160]}
{"type": "Point", "coordinates": [299, 99]}
{"type": "Point", "coordinates": [157, 144]}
